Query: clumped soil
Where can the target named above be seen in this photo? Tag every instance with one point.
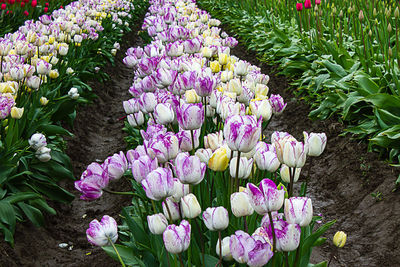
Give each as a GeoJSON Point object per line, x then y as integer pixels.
{"type": "Point", "coordinates": [97, 135]}
{"type": "Point", "coordinates": [342, 180]}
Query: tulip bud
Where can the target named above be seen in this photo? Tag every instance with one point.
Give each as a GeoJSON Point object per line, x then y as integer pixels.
{"type": "Point", "coordinates": [164, 113]}
{"type": "Point", "coordinates": [173, 208]}
{"type": "Point", "coordinates": [396, 13]}
{"type": "Point", "coordinates": [216, 219]}
{"type": "Point", "coordinates": [361, 15]}
{"type": "Point", "coordinates": [157, 223]}
{"type": "Point", "coordinates": [43, 154]}
{"type": "Point", "coordinates": [192, 97]}
{"type": "Point", "coordinates": [390, 51]}
{"type": "Point", "coordinates": [204, 154]}
{"type": "Point", "coordinates": [101, 233]}
{"type": "Point", "coordinates": [389, 28]}
{"type": "Point", "coordinates": [298, 210]}
{"type": "Point", "coordinates": [225, 249]}
{"type": "Point", "coordinates": [285, 174]}
{"type": "Point", "coordinates": [222, 58]}
{"type": "Point", "coordinates": [189, 169]}
{"type": "Point", "coordinates": [73, 93]}
{"type": "Point", "coordinates": [213, 140]}
{"type": "Point", "coordinates": [177, 238]}
{"type": "Point", "coordinates": [316, 143]}
{"type": "Point", "coordinates": [339, 239]}
{"type": "Point", "coordinates": [180, 190]}
{"type": "Point", "coordinates": [16, 113]}
{"type": "Point", "coordinates": [219, 160]}
{"type": "Point", "coordinates": [245, 167]}
{"type": "Point", "coordinates": [261, 108]}
{"type": "Point", "coordinates": [240, 204]}
{"type": "Point", "coordinates": [341, 14]}
{"type": "Point", "coordinates": [190, 206]}
{"type": "Point", "coordinates": [135, 119]}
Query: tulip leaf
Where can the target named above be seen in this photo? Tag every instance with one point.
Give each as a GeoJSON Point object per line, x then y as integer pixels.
{"type": "Point", "coordinates": [7, 214]}
{"type": "Point", "coordinates": [321, 264]}
{"type": "Point", "coordinates": [33, 214]}
{"type": "Point", "coordinates": [126, 253]}
{"type": "Point", "coordinates": [21, 196]}
{"type": "Point", "coordinates": [367, 85]}
{"type": "Point", "coordinates": [210, 261]}
{"type": "Point", "coordinates": [8, 235]}
{"type": "Point", "coordinates": [139, 234]}
{"type": "Point", "coordinates": [53, 130]}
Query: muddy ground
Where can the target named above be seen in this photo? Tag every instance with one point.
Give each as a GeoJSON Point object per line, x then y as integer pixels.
{"type": "Point", "coordinates": [342, 181]}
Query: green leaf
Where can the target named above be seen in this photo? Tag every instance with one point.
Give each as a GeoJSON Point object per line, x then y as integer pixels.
{"type": "Point", "coordinates": [21, 196]}
{"type": "Point", "coordinates": [33, 214]}
{"type": "Point", "coordinates": [210, 261]}
{"type": "Point", "coordinates": [366, 85]}
{"type": "Point", "coordinates": [321, 264]}
{"type": "Point", "coordinates": [7, 214]}
{"type": "Point", "coordinates": [126, 253]}
{"type": "Point", "coordinates": [49, 129]}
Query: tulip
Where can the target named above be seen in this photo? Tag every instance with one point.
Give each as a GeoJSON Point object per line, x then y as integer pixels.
{"type": "Point", "coordinates": [240, 204]}
{"type": "Point", "coordinates": [190, 116]}
{"type": "Point", "coordinates": [223, 58]}
{"type": "Point", "coordinates": [267, 160]}
{"type": "Point", "coordinates": [164, 77]}
{"type": "Point", "coordinates": [157, 223]}
{"type": "Point", "coordinates": [285, 174]}
{"type": "Point", "coordinates": [339, 239]}
{"type": "Point", "coordinates": [215, 66]}
{"type": "Point", "coordinates": [164, 113]}
{"type": "Point", "coordinates": [42, 67]}
{"type": "Point", "coordinates": [219, 160]}
{"type": "Point", "coordinates": [299, 210]}
{"type": "Point", "coordinates": [92, 181]}
{"type": "Point", "coordinates": [6, 103]}
{"type": "Point", "coordinates": [204, 154]}
{"type": "Point", "coordinates": [17, 73]}
{"type": "Point", "coordinates": [190, 207]}
{"type": "Point", "coordinates": [16, 113]}
{"type": "Point", "coordinates": [177, 238]}
{"type": "Point", "coordinates": [116, 165]}
{"type": "Point", "coordinates": [216, 219]}
{"type": "Point", "coordinates": [192, 46]}
{"type": "Point", "coordinates": [245, 165]}
{"type": "Point", "coordinates": [235, 86]}
{"type": "Point", "coordinates": [225, 250]}
{"type": "Point", "coordinates": [73, 93]}
{"type": "Point", "coordinates": [214, 140]}
{"type": "Point", "coordinates": [205, 85]}
{"type": "Point", "coordinates": [192, 97]}
{"type": "Point", "coordinates": [317, 2]}
{"type": "Point", "coordinates": [299, 6]}
{"type": "Point", "coordinates": [249, 250]}
{"type": "Point", "coordinates": [261, 90]}
{"type": "Point", "coordinates": [159, 184]}
{"type": "Point", "coordinates": [287, 235]}
{"type": "Point", "coordinates": [131, 106]}
{"type": "Point", "coordinates": [180, 190]}
{"type": "Point", "coordinates": [185, 140]}
{"type": "Point", "coordinates": [142, 167]}
{"type": "Point", "coordinates": [291, 152]}
{"type": "Point", "coordinates": [265, 198]}
{"type": "Point", "coordinates": [102, 233]}
{"type": "Point", "coordinates": [307, 4]}
{"type": "Point", "coordinates": [174, 49]}
{"type": "Point", "coordinates": [43, 154]}
{"type": "Point", "coordinates": [241, 68]}
{"type": "Point", "coordinates": [135, 119]}
{"type": "Point", "coordinates": [43, 101]}
{"type": "Point", "coordinates": [261, 108]}
{"type": "Point", "coordinates": [37, 141]}
{"type": "Point", "coordinates": [147, 102]}
{"type": "Point", "coordinates": [207, 52]}
{"type": "Point", "coordinates": [153, 131]}
{"type": "Point", "coordinates": [171, 207]}
{"type": "Point", "coordinates": [189, 169]}
{"type": "Point", "coordinates": [316, 143]}
{"type": "Point", "coordinates": [165, 147]}
{"type": "Point", "coordinates": [242, 132]}
{"type": "Point", "coordinates": [277, 103]}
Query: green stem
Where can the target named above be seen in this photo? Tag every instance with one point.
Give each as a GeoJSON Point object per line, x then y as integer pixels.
{"type": "Point", "coordinates": [180, 259]}
{"type": "Point", "coordinates": [119, 193]}
{"type": "Point", "coordinates": [154, 206]}
{"type": "Point", "coordinates": [116, 251]}
{"type": "Point", "coordinates": [168, 210]}
{"type": "Point", "coordinates": [291, 173]}
{"type": "Point", "coordinates": [271, 222]}
{"type": "Point", "coordinates": [237, 171]}
{"type": "Point", "coordinates": [192, 135]}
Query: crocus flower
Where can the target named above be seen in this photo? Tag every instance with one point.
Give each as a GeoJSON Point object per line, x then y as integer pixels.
{"type": "Point", "coordinates": [165, 147]}
{"type": "Point", "coordinates": [299, 210]}
{"type": "Point", "coordinates": [142, 167]}
{"type": "Point", "coordinates": [316, 143]}
{"type": "Point", "coordinates": [37, 141]}
{"type": "Point", "coordinates": [266, 197]}
{"type": "Point", "coordinates": [159, 184]}
{"type": "Point", "coordinates": [103, 232]}
{"type": "Point", "coordinates": [189, 169]}
{"type": "Point", "coordinates": [157, 223]}
{"type": "Point", "coordinates": [164, 113]}
{"type": "Point", "coordinates": [242, 132]}
{"type": "Point", "coordinates": [190, 206]}
{"type": "Point", "coordinates": [250, 250]}
{"type": "Point", "coordinates": [240, 204]}
{"type": "Point", "coordinates": [216, 219]}
{"type": "Point", "coordinates": [116, 165]}
{"type": "Point", "coordinates": [177, 238]}
{"type": "Point", "coordinates": [190, 116]}
{"type": "Point", "coordinates": [245, 167]}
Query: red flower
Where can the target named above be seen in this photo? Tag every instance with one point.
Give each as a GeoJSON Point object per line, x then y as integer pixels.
{"type": "Point", "coordinates": [3, 6]}
{"type": "Point", "coordinates": [26, 13]}
{"type": "Point", "coordinates": [22, 4]}
{"type": "Point", "coordinates": [46, 9]}
{"type": "Point", "coordinates": [34, 3]}
{"type": "Point", "coordinates": [9, 12]}
{"type": "Point", "coordinates": [299, 6]}
{"type": "Point", "coordinates": [307, 4]}
{"type": "Point", "coordinates": [47, 4]}
{"type": "Point", "coordinates": [317, 2]}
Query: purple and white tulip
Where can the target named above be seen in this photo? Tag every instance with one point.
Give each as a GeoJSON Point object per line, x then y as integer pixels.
{"type": "Point", "coordinates": [242, 132]}
{"type": "Point", "coordinates": [189, 169]}
{"type": "Point", "coordinates": [216, 219]}
{"type": "Point", "coordinates": [316, 143]}
{"type": "Point", "coordinates": [299, 210]}
{"type": "Point", "coordinates": [103, 232]}
{"type": "Point", "coordinates": [190, 116]}
{"type": "Point", "coordinates": [177, 238]}
{"type": "Point", "coordinates": [142, 167]}
{"type": "Point", "coordinates": [157, 223]}
{"type": "Point", "coordinates": [266, 197]}
{"type": "Point", "coordinates": [159, 184]}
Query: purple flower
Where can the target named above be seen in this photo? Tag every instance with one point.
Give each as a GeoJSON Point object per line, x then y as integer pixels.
{"type": "Point", "coordinates": [242, 132]}
{"type": "Point", "coordinates": [153, 131]}
{"type": "Point", "coordinates": [131, 106]}
{"type": "Point", "coordinates": [185, 140]}
{"type": "Point", "coordinates": [254, 251]}
{"type": "Point", "coordinates": [291, 152]}
{"type": "Point", "coordinates": [287, 235]}
{"type": "Point", "coordinates": [216, 219]}
{"type": "Point", "coordinates": [267, 160]}
{"type": "Point", "coordinates": [277, 103]}
{"type": "Point", "coordinates": [148, 84]}
{"type": "Point", "coordinates": [159, 184]}
{"type": "Point", "coordinates": [130, 61]}
{"type": "Point", "coordinates": [116, 165]}
{"type": "Point", "coordinates": [192, 46]}
{"type": "Point", "coordinates": [177, 238]}
{"type": "Point", "coordinates": [299, 210]}
{"type": "Point", "coordinates": [43, 67]}
{"type": "Point", "coordinates": [103, 232]}
{"type": "Point", "coordinates": [6, 103]}
{"type": "Point", "coordinates": [147, 102]}
{"type": "Point", "coordinates": [165, 147]}
{"type": "Point", "coordinates": [266, 197]}
{"type": "Point", "coordinates": [173, 207]}
{"type": "Point", "coordinates": [190, 116]}
{"type": "Point", "coordinates": [174, 49]}
{"type": "Point", "coordinates": [142, 167]}
{"type": "Point", "coordinates": [205, 85]}
{"type": "Point", "coordinates": [92, 181]}
{"type": "Point", "coordinates": [164, 77]}
{"type": "Point", "coordinates": [189, 169]}
{"type": "Point", "coordinates": [230, 42]}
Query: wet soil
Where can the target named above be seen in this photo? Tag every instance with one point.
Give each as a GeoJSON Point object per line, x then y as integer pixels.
{"type": "Point", "coordinates": [97, 135]}
{"type": "Point", "coordinates": [342, 183]}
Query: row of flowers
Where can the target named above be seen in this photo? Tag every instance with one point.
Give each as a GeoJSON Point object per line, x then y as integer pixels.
{"type": "Point", "coordinates": [196, 121]}
{"type": "Point", "coordinates": [43, 69]}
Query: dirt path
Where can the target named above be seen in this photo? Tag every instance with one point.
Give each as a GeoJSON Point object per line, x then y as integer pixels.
{"type": "Point", "coordinates": [98, 134]}
{"type": "Point", "coordinates": [342, 181]}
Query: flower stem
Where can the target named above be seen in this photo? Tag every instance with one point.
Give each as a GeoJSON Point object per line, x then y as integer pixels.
{"type": "Point", "coordinates": [180, 259]}
{"type": "Point", "coordinates": [271, 222]}
{"type": "Point", "coordinates": [291, 173]}
{"type": "Point", "coordinates": [168, 210]}
{"type": "Point", "coordinates": [154, 206]}
{"type": "Point", "coordinates": [192, 135]}
{"type": "Point", "coordinates": [116, 251]}
{"type": "Point", "coordinates": [220, 248]}
{"type": "Point", "coordinates": [119, 193]}
{"type": "Point", "coordinates": [237, 171]}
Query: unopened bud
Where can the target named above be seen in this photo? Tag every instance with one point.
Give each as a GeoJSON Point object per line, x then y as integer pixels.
{"type": "Point", "coordinates": [370, 33]}
{"type": "Point", "coordinates": [374, 12]}
{"type": "Point", "coordinates": [339, 239]}
{"type": "Point", "coordinates": [396, 12]}
{"type": "Point", "coordinates": [361, 15]}
{"type": "Point", "coordinates": [390, 52]}
{"type": "Point", "coordinates": [341, 14]}
{"type": "Point", "coordinates": [389, 28]}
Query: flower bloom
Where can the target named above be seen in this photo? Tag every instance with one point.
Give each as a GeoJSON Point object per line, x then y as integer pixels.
{"type": "Point", "coordinates": [157, 223]}
{"type": "Point", "coordinates": [190, 116]}
{"type": "Point", "coordinates": [245, 167]}
{"type": "Point", "coordinates": [37, 141]}
{"type": "Point", "coordinates": [240, 204]}
{"type": "Point", "coordinates": [299, 210]}
{"type": "Point", "coordinates": [92, 181]}
{"type": "Point", "coordinates": [242, 132]}
{"type": "Point", "coordinates": [103, 232]}
{"type": "Point", "coordinates": [159, 184]}
{"type": "Point", "coordinates": [142, 167]}
{"type": "Point", "coordinates": [339, 239]}
{"type": "Point", "coordinates": [266, 197]}
{"type": "Point", "coordinates": [316, 143]}
{"type": "Point", "coordinates": [165, 147]}
{"type": "Point", "coordinates": [116, 165]}
{"type": "Point", "coordinates": [216, 219]}
{"type": "Point", "coordinates": [189, 169]}
{"type": "Point", "coordinates": [177, 238]}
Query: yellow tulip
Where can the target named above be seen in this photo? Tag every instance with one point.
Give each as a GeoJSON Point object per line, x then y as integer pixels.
{"type": "Point", "coordinates": [339, 239]}
{"type": "Point", "coordinates": [16, 113]}
{"type": "Point", "coordinates": [219, 160]}
{"type": "Point", "coordinates": [192, 97]}
{"type": "Point", "coordinates": [215, 67]}
{"type": "Point", "coordinates": [44, 101]}
{"type": "Point", "coordinates": [54, 74]}
{"type": "Point", "coordinates": [223, 58]}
